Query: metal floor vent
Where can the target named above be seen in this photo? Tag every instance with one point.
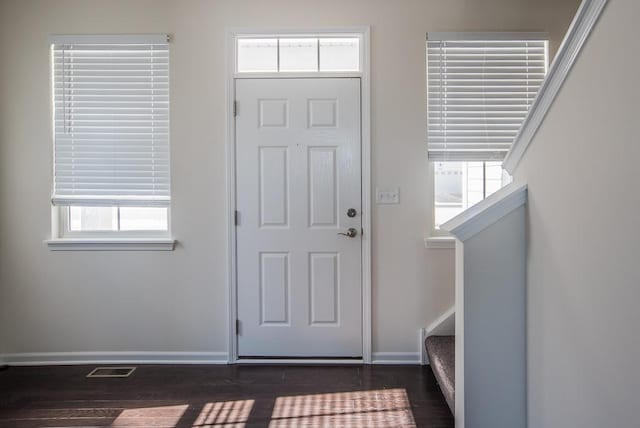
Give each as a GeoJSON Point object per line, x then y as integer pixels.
{"type": "Point", "coordinates": [111, 372]}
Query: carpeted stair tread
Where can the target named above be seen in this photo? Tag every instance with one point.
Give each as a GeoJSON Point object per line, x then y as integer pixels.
{"type": "Point", "coordinates": [441, 352]}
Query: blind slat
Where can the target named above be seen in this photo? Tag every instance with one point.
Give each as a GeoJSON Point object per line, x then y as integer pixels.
{"type": "Point", "coordinates": [479, 92]}
{"type": "Point", "coordinates": [111, 123]}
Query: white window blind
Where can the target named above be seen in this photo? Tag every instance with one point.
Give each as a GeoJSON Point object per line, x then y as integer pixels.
{"type": "Point", "coordinates": [111, 120]}
{"type": "Point", "coordinates": [480, 88]}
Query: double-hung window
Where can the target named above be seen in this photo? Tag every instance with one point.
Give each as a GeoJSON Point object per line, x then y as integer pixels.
{"type": "Point", "coordinates": [480, 87]}
{"type": "Point", "coordinates": [111, 135]}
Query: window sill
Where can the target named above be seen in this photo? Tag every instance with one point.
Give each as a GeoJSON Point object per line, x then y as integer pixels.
{"type": "Point", "coordinates": [442, 242]}
{"type": "Point", "coordinates": [122, 244]}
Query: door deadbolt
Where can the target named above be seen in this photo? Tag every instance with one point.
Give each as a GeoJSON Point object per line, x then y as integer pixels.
{"type": "Point", "coordinates": [351, 212]}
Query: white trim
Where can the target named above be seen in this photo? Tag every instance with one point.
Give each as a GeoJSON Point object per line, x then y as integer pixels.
{"type": "Point", "coordinates": [297, 361]}
{"type": "Point", "coordinates": [459, 402]}
{"type": "Point", "coordinates": [231, 199]}
{"type": "Point", "coordinates": [96, 39]}
{"type": "Point", "coordinates": [365, 106]}
{"type": "Point", "coordinates": [111, 244]}
{"type": "Point", "coordinates": [70, 358]}
{"type": "Point", "coordinates": [412, 358]}
{"type": "Point", "coordinates": [364, 33]}
{"type": "Point", "coordinates": [582, 25]}
{"type": "Point", "coordinates": [488, 35]}
{"type": "Point", "coordinates": [260, 33]}
{"type": "Point", "coordinates": [422, 336]}
{"type": "Point", "coordinates": [444, 318]}
{"type": "Point", "coordinates": [297, 75]}
{"type": "Point", "coordinates": [486, 212]}
{"type": "Point", "coordinates": [440, 242]}
{"type": "Point", "coordinates": [435, 328]}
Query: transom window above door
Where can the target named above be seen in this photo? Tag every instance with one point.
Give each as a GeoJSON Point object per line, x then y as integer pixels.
{"type": "Point", "coordinates": [298, 54]}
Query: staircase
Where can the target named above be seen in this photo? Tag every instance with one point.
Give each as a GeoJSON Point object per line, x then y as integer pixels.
{"type": "Point", "coordinates": [491, 278]}
{"type": "Point", "coordinates": [441, 353]}
{"type": "Point", "coordinates": [489, 345]}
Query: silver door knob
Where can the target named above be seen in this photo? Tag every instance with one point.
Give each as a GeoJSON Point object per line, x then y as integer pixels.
{"type": "Point", "coordinates": [351, 232]}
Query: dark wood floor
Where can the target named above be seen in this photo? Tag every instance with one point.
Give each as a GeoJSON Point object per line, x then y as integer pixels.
{"type": "Point", "coordinates": [224, 396]}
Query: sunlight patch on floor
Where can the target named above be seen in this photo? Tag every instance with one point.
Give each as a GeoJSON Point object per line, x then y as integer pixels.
{"type": "Point", "coordinates": [164, 416]}
{"type": "Point", "coordinates": [370, 409]}
{"type": "Point", "coordinates": [224, 414]}
{"type": "Point", "coordinates": [375, 408]}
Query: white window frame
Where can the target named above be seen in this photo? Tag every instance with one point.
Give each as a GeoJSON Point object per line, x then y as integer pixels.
{"type": "Point", "coordinates": [439, 238]}
{"type": "Point", "coordinates": [66, 232]}
{"type": "Point", "coordinates": [439, 234]}
{"type": "Point", "coordinates": [234, 35]}
{"type": "Point", "coordinates": [65, 239]}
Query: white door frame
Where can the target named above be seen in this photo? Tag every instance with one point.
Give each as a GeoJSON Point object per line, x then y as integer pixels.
{"type": "Point", "coordinates": [365, 105]}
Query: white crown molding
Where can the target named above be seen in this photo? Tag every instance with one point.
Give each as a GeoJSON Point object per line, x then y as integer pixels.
{"type": "Point", "coordinates": [482, 215]}
{"type": "Point", "coordinates": [582, 25]}
{"type": "Point", "coordinates": [71, 358]}
{"type": "Point", "coordinates": [160, 244]}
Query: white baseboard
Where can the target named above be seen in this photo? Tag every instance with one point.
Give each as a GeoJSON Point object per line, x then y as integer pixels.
{"type": "Point", "coordinates": [412, 358]}
{"type": "Point", "coordinates": [71, 358]}
{"type": "Point", "coordinates": [298, 362]}
{"type": "Point", "coordinates": [91, 358]}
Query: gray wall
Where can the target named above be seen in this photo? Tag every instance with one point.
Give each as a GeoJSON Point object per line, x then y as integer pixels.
{"type": "Point", "coordinates": [494, 325]}
{"type": "Point", "coordinates": [583, 266]}
{"type": "Point", "coordinates": [64, 302]}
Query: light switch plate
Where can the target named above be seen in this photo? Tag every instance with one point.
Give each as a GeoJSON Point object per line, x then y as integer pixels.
{"type": "Point", "coordinates": [388, 196]}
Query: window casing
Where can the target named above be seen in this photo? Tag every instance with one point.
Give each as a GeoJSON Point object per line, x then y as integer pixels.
{"type": "Point", "coordinates": [111, 136]}
{"type": "Point", "coordinates": [480, 87]}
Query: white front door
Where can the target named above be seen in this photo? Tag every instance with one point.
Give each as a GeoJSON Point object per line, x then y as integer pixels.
{"type": "Point", "coordinates": [298, 194]}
